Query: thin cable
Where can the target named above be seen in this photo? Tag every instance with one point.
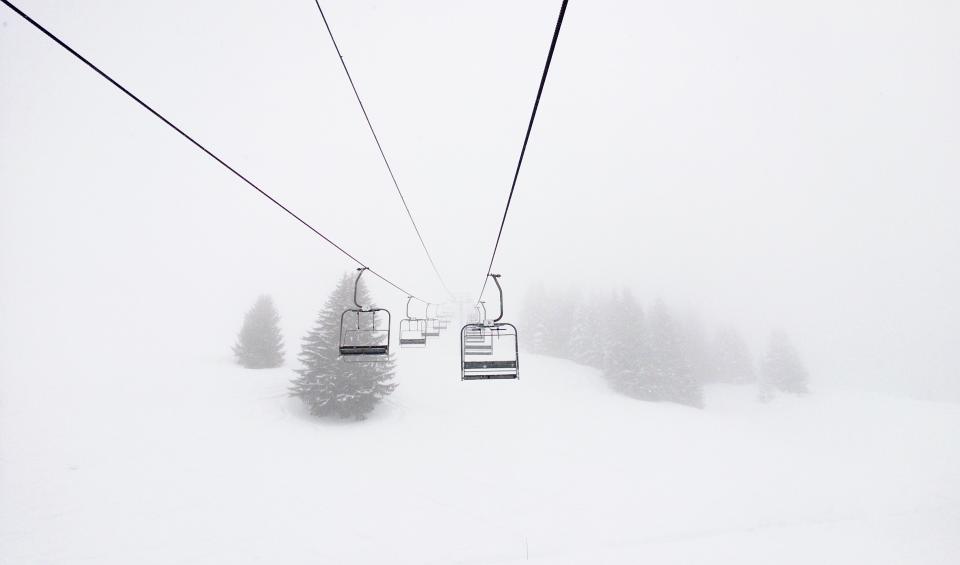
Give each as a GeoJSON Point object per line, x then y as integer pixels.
{"type": "Point", "coordinates": [195, 142]}
{"type": "Point", "coordinates": [380, 147]}
{"type": "Point", "coordinates": [523, 150]}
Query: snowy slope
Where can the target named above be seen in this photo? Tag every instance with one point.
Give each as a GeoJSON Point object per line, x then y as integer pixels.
{"type": "Point", "coordinates": [204, 462]}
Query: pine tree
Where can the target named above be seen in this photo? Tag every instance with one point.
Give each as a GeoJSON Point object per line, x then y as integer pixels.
{"type": "Point", "coordinates": [534, 319]}
{"type": "Point", "coordinates": [782, 368]}
{"type": "Point", "coordinates": [260, 343]}
{"type": "Point", "coordinates": [731, 361]}
{"type": "Point", "coordinates": [667, 374]}
{"type": "Point", "coordinates": [586, 345]}
{"type": "Point", "coordinates": [624, 348]}
{"type": "Point", "coordinates": [694, 349]}
{"type": "Point", "coordinates": [327, 384]}
{"type": "Point", "coordinates": [558, 324]}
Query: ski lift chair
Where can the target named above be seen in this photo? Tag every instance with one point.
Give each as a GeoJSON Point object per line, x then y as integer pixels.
{"type": "Point", "coordinates": [489, 349]}
{"type": "Point", "coordinates": [431, 328]}
{"type": "Point", "coordinates": [443, 318]}
{"type": "Point", "coordinates": [364, 332]}
{"type": "Point", "coordinates": [412, 330]}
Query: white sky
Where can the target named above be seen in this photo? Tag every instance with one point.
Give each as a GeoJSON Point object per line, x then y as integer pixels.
{"type": "Point", "coordinates": [770, 164]}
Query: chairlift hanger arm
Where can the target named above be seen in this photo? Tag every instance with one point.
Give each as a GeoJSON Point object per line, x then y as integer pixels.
{"type": "Point", "coordinates": [496, 279]}
{"type": "Point", "coordinates": [356, 285]}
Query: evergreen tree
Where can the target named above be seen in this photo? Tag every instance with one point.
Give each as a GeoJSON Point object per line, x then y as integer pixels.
{"type": "Point", "coordinates": [327, 384]}
{"type": "Point", "coordinates": [667, 373]}
{"type": "Point", "coordinates": [560, 307]}
{"type": "Point", "coordinates": [586, 345]}
{"type": "Point", "coordinates": [782, 368]}
{"type": "Point", "coordinates": [624, 350]}
{"type": "Point", "coordinates": [535, 319]}
{"type": "Point", "coordinates": [731, 361]}
{"type": "Point", "coordinates": [260, 344]}
{"type": "Point", "coordinates": [695, 352]}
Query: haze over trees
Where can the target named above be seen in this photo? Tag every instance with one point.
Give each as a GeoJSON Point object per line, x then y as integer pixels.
{"type": "Point", "coordinates": [328, 385]}
{"type": "Point", "coordinates": [651, 354]}
{"type": "Point", "coordinates": [260, 343]}
{"type": "Point", "coordinates": [781, 368]}
{"type": "Point", "coordinates": [731, 358]}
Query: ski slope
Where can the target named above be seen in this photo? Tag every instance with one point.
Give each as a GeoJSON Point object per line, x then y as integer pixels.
{"type": "Point", "coordinates": [200, 461]}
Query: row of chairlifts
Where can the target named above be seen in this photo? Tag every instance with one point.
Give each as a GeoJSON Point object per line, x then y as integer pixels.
{"type": "Point", "coordinates": [365, 333]}
{"type": "Point", "coordinates": [488, 348]}
{"type": "Point", "coordinates": [415, 331]}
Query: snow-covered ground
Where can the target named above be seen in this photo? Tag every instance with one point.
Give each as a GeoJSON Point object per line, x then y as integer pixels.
{"type": "Point", "coordinates": [200, 461]}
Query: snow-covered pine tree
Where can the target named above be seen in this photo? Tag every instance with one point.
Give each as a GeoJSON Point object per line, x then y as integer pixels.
{"type": "Point", "coordinates": [534, 319]}
{"type": "Point", "coordinates": [585, 337]}
{"type": "Point", "coordinates": [781, 368]}
{"type": "Point", "coordinates": [260, 343]}
{"type": "Point", "coordinates": [695, 352]}
{"type": "Point", "coordinates": [731, 361]}
{"type": "Point", "coordinates": [328, 385]}
{"type": "Point", "coordinates": [623, 344]}
{"type": "Point", "coordinates": [667, 374]}
{"type": "Point", "coordinates": [559, 310]}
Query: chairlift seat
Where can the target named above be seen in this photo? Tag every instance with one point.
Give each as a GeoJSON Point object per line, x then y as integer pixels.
{"type": "Point", "coordinates": [489, 376]}
{"type": "Point", "coordinates": [365, 332]}
{"type": "Point", "coordinates": [364, 350]}
{"type": "Point", "coordinates": [488, 351]}
{"type": "Point", "coordinates": [412, 333]}
{"type": "Point", "coordinates": [430, 328]}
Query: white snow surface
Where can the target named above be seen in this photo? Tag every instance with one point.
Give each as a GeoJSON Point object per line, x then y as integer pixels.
{"type": "Point", "coordinates": [201, 461]}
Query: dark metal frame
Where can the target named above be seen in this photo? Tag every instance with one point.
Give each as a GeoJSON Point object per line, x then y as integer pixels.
{"type": "Point", "coordinates": [374, 351]}
{"type": "Point", "coordinates": [431, 327]}
{"type": "Point", "coordinates": [406, 343]}
{"type": "Point", "coordinates": [474, 341]}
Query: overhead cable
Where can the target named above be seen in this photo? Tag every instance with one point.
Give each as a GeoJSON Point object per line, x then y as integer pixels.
{"type": "Point", "coordinates": [196, 143]}
{"type": "Point", "coordinates": [523, 150]}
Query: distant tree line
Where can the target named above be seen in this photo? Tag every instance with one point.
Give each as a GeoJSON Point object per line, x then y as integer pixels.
{"type": "Point", "coordinates": [652, 354]}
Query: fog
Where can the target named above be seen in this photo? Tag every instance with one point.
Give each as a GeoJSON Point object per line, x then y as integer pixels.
{"type": "Point", "coordinates": [769, 166]}
{"type": "Point", "coordinates": [760, 167]}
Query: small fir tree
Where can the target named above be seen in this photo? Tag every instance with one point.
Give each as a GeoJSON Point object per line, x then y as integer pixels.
{"type": "Point", "coordinates": [782, 368]}
{"type": "Point", "coordinates": [260, 343]}
{"type": "Point", "coordinates": [327, 384]}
